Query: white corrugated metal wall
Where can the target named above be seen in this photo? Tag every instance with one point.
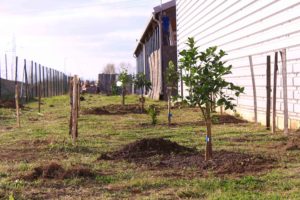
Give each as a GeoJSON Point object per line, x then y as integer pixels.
{"type": "Point", "coordinates": [246, 28]}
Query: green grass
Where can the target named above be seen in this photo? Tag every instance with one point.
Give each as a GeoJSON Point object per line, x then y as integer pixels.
{"type": "Point", "coordinates": [44, 137]}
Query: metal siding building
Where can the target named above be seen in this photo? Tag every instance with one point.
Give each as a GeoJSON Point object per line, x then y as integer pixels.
{"type": "Point", "coordinates": [244, 29]}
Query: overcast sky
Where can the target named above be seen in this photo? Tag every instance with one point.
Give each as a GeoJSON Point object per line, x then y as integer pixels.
{"type": "Point", "coordinates": [76, 36]}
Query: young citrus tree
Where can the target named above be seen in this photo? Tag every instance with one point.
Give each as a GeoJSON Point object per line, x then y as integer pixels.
{"type": "Point", "coordinates": [143, 84]}
{"type": "Point", "coordinates": [204, 74]}
{"type": "Point", "coordinates": [124, 79]}
{"type": "Point", "coordinates": [172, 78]}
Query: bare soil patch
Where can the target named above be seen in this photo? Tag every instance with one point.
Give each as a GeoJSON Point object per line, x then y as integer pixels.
{"type": "Point", "coordinates": [291, 144]}
{"type": "Point", "coordinates": [56, 171]}
{"type": "Point", "coordinates": [115, 109]}
{"type": "Point", "coordinates": [160, 153]}
{"type": "Point", "coordinates": [9, 104]}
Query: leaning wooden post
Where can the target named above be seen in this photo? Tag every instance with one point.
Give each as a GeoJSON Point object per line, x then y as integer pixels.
{"type": "Point", "coordinates": [285, 95]}
{"type": "Point", "coordinates": [17, 94]}
{"type": "Point", "coordinates": [274, 93]}
{"type": "Point", "coordinates": [254, 88]}
{"type": "Point", "coordinates": [268, 89]}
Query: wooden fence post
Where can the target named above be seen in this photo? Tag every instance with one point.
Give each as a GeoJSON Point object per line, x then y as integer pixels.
{"type": "Point", "coordinates": [44, 83]}
{"type": "Point", "coordinates": [274, 93]}
{"type": "Point", "coordinates": [40, 85]}
{"type": "Point", "coordinates": [36, 80]}
{"type": "Point", "coordinates": [268, 89]}
{"type": "Point", "coordinates": [254, 88]}
{"type": "Point", "coordinates": [31, 79]}
{"type": "Point", "coordinates": [26, 82]}
{"type": "Point", "coordinates": [6, 67]}
{"type": "Point", "coordinates": [285, 95]}
{"type": "Point", "coordinates": [71, 105]}
{"type": "Point", "coordinates": [17, 94]}
{"type": "Point", "coordinates": [75, 109]}
{"type": "Point", "coordinates": [0, 80]}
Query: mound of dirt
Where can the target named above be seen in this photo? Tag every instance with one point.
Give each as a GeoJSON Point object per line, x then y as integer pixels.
{"type": "Point", "coordinates": [227, 119]}
{"type": "Point", "coordinates": [159, 153]}
{"type": "Point", "coordinates": [9, 104]}
{"type": "Point", "coordinates": [56, 171]}
{"type": "Point", "coordinates": [115, 109]}
{"type": "Point", "coordinates": [146, 148]}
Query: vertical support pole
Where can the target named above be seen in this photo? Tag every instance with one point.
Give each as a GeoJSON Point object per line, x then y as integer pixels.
{"type": "Point", "coordinates": [31, 79]}
{"type": "Point", "coordinates": [44, 83]}
{"type": "Point", "coordinates": [6, 73]}
{"type": "Point", "coordinates": [47, 79]}
{"type": "Point", "coordinates": [17, 94]}
{"type": "Point", "coordinates": [274, 93]}
{"type": "Point", "coordinates": [26, 81]}
{"type": "Point", "coordinates": [0, 80]}
{"type": "Point", "coordinates": [40, 85]}
{"type": "Point", "coordinates": [71, 105]}
{"type": "Point", "coordinates": [50, 83]}
{"type": "Point", "coordinates": [75, 110]}
{"type": "Point", "coordinates": [36, 80]}
{"type": "Point", "coordinates": [254, 88]}
{"type": "Point", "coordinates": [268, 89]}
{"type": "Point", "coordinates": [285, 95]}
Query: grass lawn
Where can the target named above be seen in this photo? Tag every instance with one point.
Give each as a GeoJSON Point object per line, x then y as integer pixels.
{"type": "Point", "coordinates": [43, 139]}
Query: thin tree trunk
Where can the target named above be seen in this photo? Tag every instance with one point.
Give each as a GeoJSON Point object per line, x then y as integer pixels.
{"type": "Point", "coordinates": [169, 108]}
{"type": "Point", "coordinates": [123, 96]}
{"type": "Point", "coordinates": [142, 102]}
{"type": "Point", "coordinates": [208, 152]}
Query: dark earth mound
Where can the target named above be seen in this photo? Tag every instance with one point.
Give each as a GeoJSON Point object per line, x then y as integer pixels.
{"type": "Point", "coordinates": [56, 171]}
{"type": "Point", "coordinates": [115, 109]}
{"type": "Point", "coordinates": [147, 148]}
{"type": "Point", "coordinates": [160, 153]}
{"type": "Point", "coordinates": [227, 119]}
{"type": "Point", "coordinates": [9, 104]}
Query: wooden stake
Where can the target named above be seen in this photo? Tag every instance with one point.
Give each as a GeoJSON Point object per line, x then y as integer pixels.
{"type": "Point", "coordinates": [17, 94]}
{"type": "Point", "coordinates": [40, 85]}
{"type": "Point", "coordinates": [71, 105]}
{"type": "Point", "coordinates": [268, 89]}
{"type": "Point", "coordinates": [75, 110]}
{"type": "Point", "coordinates": [274, 93]}
{"type": "Point", "coordinates": [285, 95]}
{"type": "Point", "coordinates": [254, 88]}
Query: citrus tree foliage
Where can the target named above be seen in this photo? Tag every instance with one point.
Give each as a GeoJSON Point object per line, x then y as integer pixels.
{"type": "Point", "coordinates": [142, 83]}
{"type": "Point", "coordinates": [124, 79]}
{"type": "Point", "coordinates": [204, 76]}
{"type": "Point", "coordinates": [172, 78]}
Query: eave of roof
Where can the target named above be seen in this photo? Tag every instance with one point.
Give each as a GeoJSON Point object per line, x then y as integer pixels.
{"type": "Point", "coordinates": [156, 9]}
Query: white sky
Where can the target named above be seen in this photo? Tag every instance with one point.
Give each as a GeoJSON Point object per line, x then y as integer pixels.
{"type": "Point", "coordinates": [84, 34]}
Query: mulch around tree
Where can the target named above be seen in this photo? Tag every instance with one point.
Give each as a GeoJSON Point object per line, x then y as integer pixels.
{"type": "Point", "coordinates": [115, 109]}
{"type": "Point", "coordinates": [159, 153]}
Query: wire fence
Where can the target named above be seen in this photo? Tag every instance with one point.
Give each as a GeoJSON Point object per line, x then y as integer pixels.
{"type": "Point", "coordinates": [33, 79]}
